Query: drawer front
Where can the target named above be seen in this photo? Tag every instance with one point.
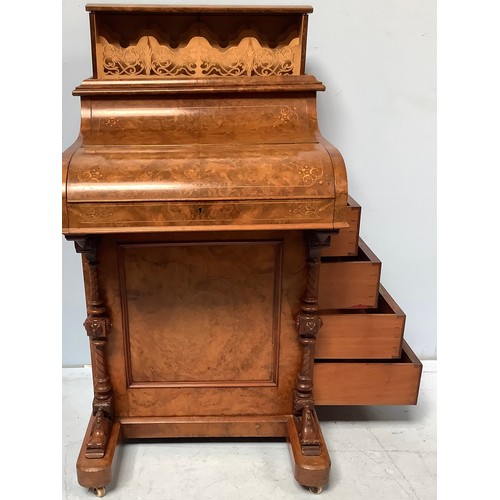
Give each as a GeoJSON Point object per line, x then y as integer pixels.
{"type": "Point", "coordinates": [362, 334]}
{"type": "Point", "coordinates": [352, 283]}
{"type": "Point", "coordinates": [368, 383]}
{"type": "Point", "coordinates": [345, 242]}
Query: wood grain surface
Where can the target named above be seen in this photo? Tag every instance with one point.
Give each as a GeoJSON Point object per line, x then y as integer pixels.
{"type": "Point", "coordinates": [362, 333]}
{"type": "Point", "coordinates": [345, 242]}
{"type": "Point", "coordinates": [176, 325]}
{"type": "Point", "coordinates": [204, 314]}
{"type": "Point", "coordinates": [368, 382]}
{"type": "Point", "coordinates": [198, 9]}
{"type": "Point", "coordinates": [352, 282]}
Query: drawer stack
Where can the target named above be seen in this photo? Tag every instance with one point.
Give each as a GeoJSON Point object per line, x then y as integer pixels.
{"type": "Point", "coordinates": [361, 356]}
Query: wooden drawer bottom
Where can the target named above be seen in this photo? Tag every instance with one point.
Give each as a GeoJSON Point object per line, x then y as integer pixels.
{"type": "Point", "coordinates": [368, 382]}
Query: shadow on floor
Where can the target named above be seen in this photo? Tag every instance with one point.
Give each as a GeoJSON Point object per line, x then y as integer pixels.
{"type": "Point", "coordinates": [370, 413]}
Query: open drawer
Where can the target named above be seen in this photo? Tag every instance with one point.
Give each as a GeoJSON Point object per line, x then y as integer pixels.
{"type": "Point", "coordinates": [368, 382]}
{"type": "Point", "coordinates": [345, 242]}
{"type": "Point", "coordinates": [350, 282]}
{"type": "Point", "coordinates": [362, 333]}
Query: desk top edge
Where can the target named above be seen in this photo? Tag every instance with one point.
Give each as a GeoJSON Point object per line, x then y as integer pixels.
{"type": "Point", "coordinates": [201, 9]}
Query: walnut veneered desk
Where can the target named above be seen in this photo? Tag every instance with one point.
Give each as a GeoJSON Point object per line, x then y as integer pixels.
{"type": "Point", "coordinates": [201, 194]}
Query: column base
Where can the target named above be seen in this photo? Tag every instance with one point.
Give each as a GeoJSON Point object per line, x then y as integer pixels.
{"type": "Point", "coordinates": [312, 471]}
{"type": "Point", "coordinates": [96, 473]}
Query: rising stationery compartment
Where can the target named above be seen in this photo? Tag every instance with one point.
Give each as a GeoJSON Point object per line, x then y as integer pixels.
{"type": "Point", "coordinates": [200, 118]}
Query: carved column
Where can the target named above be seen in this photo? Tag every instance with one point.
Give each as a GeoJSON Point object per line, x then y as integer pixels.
{"type": "Point", "coordinates": [308, 323]}
{"type": "Point", "coordinates": [97, 326]}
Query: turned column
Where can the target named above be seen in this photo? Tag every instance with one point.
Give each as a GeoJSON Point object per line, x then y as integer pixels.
{"type": "Point", "coordinates": [97, 326]}
{"type": "Point", "coordinates": [308, 323]}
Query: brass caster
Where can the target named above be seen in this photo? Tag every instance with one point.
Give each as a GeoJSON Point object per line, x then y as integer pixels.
{"type": "Point", "coordinates": [316, 489]}
{"type": "Point", "coordinates": [99, 492]}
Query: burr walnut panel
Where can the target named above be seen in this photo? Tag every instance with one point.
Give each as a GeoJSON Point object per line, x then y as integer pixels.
{"type": "Point", "coordinates": [251, 260]}
{"type": "Point", "coordinates": [201, 314]}
{"type": "Point", "coordinates": [200, 120]}
{"type": "Point", "coordinates": [200, 173]}
{"type": "Point", "coordinates": [210, 216]}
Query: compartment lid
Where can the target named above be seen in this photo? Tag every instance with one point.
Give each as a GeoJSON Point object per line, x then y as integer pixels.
{"type": "Point", "coordinates": [200, 172]}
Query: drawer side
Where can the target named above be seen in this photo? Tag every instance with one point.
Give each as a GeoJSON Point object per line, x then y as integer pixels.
{"type": "Point", "coordinates": [368, 383]}
{"type": "Point", "coordinates": [362, 333]}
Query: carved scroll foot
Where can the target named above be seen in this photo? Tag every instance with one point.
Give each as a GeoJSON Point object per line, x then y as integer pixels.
{"type": "Point", "coordinates": [99, 435]}
{"type": "Point", "coordinates": [94, 469]}
{"type": "Point", "coordinates": [308, 434]}
{"type": "Point", "coordinates": [310, 470]}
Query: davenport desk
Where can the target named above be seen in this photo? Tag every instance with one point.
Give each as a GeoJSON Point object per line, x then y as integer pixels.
{"type": "Point", "coordinates": [227, 290]}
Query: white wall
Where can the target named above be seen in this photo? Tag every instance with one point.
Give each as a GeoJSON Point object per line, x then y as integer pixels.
{"type": "Point", "coordinates": [377, 59]}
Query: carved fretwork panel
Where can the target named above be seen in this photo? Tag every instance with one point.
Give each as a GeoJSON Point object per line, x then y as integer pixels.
{"type": "Point", "coordinates": [185, 46]}
{"type": "Point", "coordinates": [198, 58]}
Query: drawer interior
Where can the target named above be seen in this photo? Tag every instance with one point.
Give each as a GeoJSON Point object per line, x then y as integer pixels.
{"type": "Point", "coordinates": [368, 382]}
{"type": "Point", "coordinates": [345, 242]}
{"type": "Point", "coordinates": [350, 282]}
{"type": "Point", "coordinates": [362, 333]}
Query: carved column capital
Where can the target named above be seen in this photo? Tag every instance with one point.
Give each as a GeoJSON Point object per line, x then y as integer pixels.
{"type": "Point", "coordinates": [308, 325]}
{"type": "Point", "coordinates": [87, 245]}
{"type": "Point", "coordinates": [316, 241]}
{"type": "Point", "coordinates": [97, 327]}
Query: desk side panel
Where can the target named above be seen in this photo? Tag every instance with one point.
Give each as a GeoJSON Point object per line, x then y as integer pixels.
{"type": "Point", "coordinates": [182, 360]}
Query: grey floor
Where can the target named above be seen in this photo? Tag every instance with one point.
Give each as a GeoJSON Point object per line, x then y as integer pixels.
{"type": "Point", "coordinates": [386, 453]}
